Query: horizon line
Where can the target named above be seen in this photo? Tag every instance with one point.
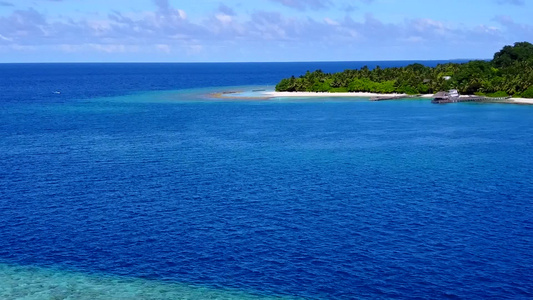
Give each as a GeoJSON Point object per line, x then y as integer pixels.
{"type": "Point", "coordinates": [236, 62]}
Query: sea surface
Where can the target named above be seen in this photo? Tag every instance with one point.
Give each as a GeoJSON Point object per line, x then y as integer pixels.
{"type": "Point", "coordinates": [127, 181]}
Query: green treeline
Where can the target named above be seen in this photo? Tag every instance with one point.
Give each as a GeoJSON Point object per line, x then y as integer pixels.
{"type": "Point", "coordinates": [509, 73]}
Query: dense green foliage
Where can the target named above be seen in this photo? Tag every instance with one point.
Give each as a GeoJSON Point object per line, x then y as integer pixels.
{"type": "Point", "coordinates": [509, 54]}
{"type": "Point", "coordinates": [528, 93]}
{"type": "Point", "coordinates": [509, 73]}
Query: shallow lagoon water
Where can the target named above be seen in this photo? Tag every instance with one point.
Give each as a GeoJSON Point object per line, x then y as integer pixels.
{"type": "Point", "coordinates": [316, 198]}
{"type": "Point", "coordinates": [33, 283]}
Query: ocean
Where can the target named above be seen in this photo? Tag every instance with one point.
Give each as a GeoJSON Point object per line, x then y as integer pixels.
{"type": "Point", "coordinates": [125, 181]}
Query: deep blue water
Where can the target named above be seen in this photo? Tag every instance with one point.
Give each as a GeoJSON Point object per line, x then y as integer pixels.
{"type": "Point", "coordinates": [321, 198]}
{"type": "Point", "coordinates": [38, 82]}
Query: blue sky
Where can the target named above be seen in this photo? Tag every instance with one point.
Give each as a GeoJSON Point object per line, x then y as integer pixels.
{"type": "Point", "coordinates": [258, 30]}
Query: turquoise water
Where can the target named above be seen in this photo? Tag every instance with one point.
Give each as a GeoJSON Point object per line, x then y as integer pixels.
{"type": "Point", "coordinates": [167, 193]}
{"type": "Point", "coordinates": [34, 283]}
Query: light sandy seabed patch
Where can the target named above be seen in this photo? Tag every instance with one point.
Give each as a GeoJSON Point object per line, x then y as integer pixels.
{"type": "Point", "coordinates": [33, 283]}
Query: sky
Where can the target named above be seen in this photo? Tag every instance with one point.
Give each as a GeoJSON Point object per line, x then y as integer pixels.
{"type": "Point", "coordinates": [259, 30]}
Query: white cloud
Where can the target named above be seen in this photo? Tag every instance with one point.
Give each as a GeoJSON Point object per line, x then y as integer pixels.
{"type": "Point", "coordinates": [110, 48]}
{"type": "Point", "coordinates": [305, 4]}
{"type": "Point", "coordinates": [224, 19]}
{"type": "Point", "coordinates": [169, 29]}
{"type": "Point", "coordinates": [194, 49]}
{"type": "Point", "coordinates": [331, 22]}
{"type": "Point", "coordinates": [182, 14]}
{"type": "Point", "coordinates": [5, 38]}
{"type": "Point", "coordinates": [163, 48]}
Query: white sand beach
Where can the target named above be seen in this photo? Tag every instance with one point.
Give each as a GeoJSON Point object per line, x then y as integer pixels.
{"type": "Point", "coordinates": [522, 100]}
{"type": "Point", "coordinates": [326, 94]}
{"type": "Point", "coordinates": [272, 94]}
{"type": "Point", "coordinates": [264, 95]}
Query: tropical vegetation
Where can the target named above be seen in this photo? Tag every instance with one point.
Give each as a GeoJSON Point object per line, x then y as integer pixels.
{"type": "Point", "coordinates": [510, 72]}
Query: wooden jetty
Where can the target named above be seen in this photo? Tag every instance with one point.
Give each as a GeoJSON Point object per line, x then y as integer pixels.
{"type": "Point", "coordinates": [443, 98]}
{"type": "Point", "coordinates": [446, 97]}
{"type": "Point", "coordinates": [457, 99]}
{"type": "Point", "coordinates": [498, 99]}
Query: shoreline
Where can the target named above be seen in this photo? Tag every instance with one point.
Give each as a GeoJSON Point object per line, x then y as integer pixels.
{"type": "Point", "coordinates": [521, 101]}
{"type": "Point", "coordinates": [266, 95]}
{"type": "Point", "coordinates": [273, 94]}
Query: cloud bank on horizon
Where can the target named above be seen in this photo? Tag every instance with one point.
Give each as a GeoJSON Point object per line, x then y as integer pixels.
{"type": "Point", "coordinates": [260, 30]}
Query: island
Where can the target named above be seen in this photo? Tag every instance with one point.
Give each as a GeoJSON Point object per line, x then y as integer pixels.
{"type": "Point", "coordinates": [508, 74]}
